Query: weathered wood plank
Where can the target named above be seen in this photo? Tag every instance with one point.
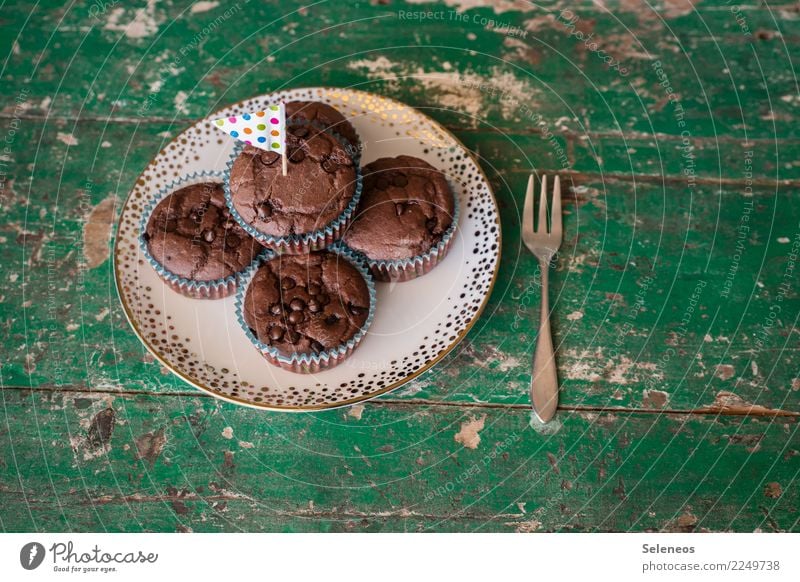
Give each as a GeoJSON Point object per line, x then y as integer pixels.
{"type": "Point", "coordinates": [162, 61]}
{"type": "Point", "coordinates": [131, 463]}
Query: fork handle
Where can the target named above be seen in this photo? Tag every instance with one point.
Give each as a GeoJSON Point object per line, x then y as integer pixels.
{"type": "Point", "coordinates": [544, 381]}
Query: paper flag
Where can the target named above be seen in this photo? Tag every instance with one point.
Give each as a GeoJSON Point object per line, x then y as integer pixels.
{"type": "Point", "coordinates": [262, 129]}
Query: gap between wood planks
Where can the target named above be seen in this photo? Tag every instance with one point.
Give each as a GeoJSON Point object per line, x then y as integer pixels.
{"type": "Point", "coordinates": [709, 410]}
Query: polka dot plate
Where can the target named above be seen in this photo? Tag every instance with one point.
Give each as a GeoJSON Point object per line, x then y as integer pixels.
{"type": "Point", "coordinates": [416, 322]}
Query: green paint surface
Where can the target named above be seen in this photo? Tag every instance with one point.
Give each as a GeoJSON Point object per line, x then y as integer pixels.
{"type": "Point", "coordinates": [674, 295]}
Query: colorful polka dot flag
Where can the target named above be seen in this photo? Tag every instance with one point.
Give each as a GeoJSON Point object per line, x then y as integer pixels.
{"type": "Point", "coordinates": [262, 129]}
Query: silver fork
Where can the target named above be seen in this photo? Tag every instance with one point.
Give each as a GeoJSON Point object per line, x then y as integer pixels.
{"type": "Point", "coordinates": [544, 244]}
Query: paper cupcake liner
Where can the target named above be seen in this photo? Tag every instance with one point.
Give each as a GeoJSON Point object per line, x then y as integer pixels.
{"type": "Point", "coordinates": [407, 269]}
{"type": "Point", "coordinates": [297, 244]}
{"type": "Point", "coordinates": [307, 363]}
{"type": "Point", "coordinates": [215, 289]}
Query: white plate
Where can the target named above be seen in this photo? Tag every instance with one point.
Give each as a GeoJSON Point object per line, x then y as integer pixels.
{"type": "Point", "coordinates": [416, 322]}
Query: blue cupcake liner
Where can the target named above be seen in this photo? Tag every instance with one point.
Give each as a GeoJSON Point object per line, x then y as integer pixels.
{"type": "Point", "coordinates": [307, 362]}
{"type": "Point", "coordinates": [413, 267]}
{"type": "Point", "coordinates": [306, 242]}
{"type": "Point", "coordinates": [216, 288]}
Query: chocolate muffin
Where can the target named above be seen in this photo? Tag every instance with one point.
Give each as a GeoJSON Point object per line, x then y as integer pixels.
{"type": "Point", "coordinates": [191, 234]}
{"type": "Point", "coordinates": [324, 116]}
{"type": "Point", "coordinates": [319, 185]}
{"type": "Point", "coordinates": [306, 304]}
{"type": "Point", "coordinates": [406, 209]}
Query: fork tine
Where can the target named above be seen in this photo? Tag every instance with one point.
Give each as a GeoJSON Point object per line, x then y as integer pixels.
{"type": "Point", "coordinates": [542, 227]}
{"type": "Point", "coordinates": [555, 216]}
{"type": "Point", "coordinates": [527, 211]}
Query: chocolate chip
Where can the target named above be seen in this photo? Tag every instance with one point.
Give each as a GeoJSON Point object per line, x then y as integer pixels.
{"type": "Point", "coordinates": [269, 158]}
{"type": "Point", "coordinates": [356, 310]}
{"type": "Point", "coordinates": [198, 212]}
{"type": "Point", "coordinates": [317, 347]}
{"type": "Point", "coordinates": [431, 223]}
{"type": "Point", "coordinates": [297, 304]}
{"type": "Point", "coordinates": [264, 210]}
{"type": "Point", "coordinates": [276, 333]}
{"type": "Point", "coordinates": [296, 317]}
{"type": "Point", "coordinates": [323, 299]}
{"type": "Point", "coordinates": [293, 336]}
{"type": "Point", "coordinates": [208, 235]}
{"type": "Point", "coordinates": [297, 155]}
{"type": "Point", "coordinates": [314, 306]}
{"type": "Point", "coordinates": [399, 208]}
{"type": "Point", "coordinates": [381, 183]}
{"type": "Point", "coordinates": [276, 309]}
{"type": "Point", "coordinates": [232, 241]}
{"type": "Point", "coordinates": [287, 283]}
{"type": "Point", "coordinates": [331, 320]}
{"type": "Point", "coordinates": [330, 166]}
{"type": "Point", "coordinates": [300, 131]}
{"type": "Point", "coordinates": [400, 181]}
{"type": "Point", "coordinates": [314, 289]}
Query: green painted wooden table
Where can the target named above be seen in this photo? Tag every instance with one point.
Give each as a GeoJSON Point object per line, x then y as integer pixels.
{"type": "Point", "coordinates": [675, 296]}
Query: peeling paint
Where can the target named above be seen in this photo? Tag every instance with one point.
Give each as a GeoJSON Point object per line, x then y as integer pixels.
{"type": "Point", "coordinates": [525, 526]}
{"type": "Point", "coordinates": [509, 363]}
{"type": "Point", "coordinates": [143, 24]}
{"type": "Point", "coordinates": [551, 458]}
{"type": "Point", "coordinates": [180, 102]}
{"type": "Point", "coordinates": [203, 6]}
{"type": "Point", "coordinates": [499, 6]}
{"type": "Point", "coordinates": [356, 411]}
{"type": "Point", "coordinates": [575, 316]}
{"type": "Point", "coordinates": [67, 138]}
{"type": "Point", "coordinates": [676, 8]}
{"type": "Point", "coordinates": [655, 398]}
{"type": "Point", "coordinates": [97, 233]}
{"type": "Point", "coordinates": [592, 366]}
{"type": "Point", "coordinates": [685, 523]}
{"type": "Point", "coordinates": [466, 92]}
{"type": "Point", "coordinates": [773, 490]}
{"type": "Point", "coordinates": [468, 435]}
{"type": "Point", "coordinates": [730, 403]}
{"type": "Point", "coordinates": [150, 445]}
{"type": "Point", "coordinates": [725, 371]}
{"type": "Point", "coordinates": [96, 441]}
